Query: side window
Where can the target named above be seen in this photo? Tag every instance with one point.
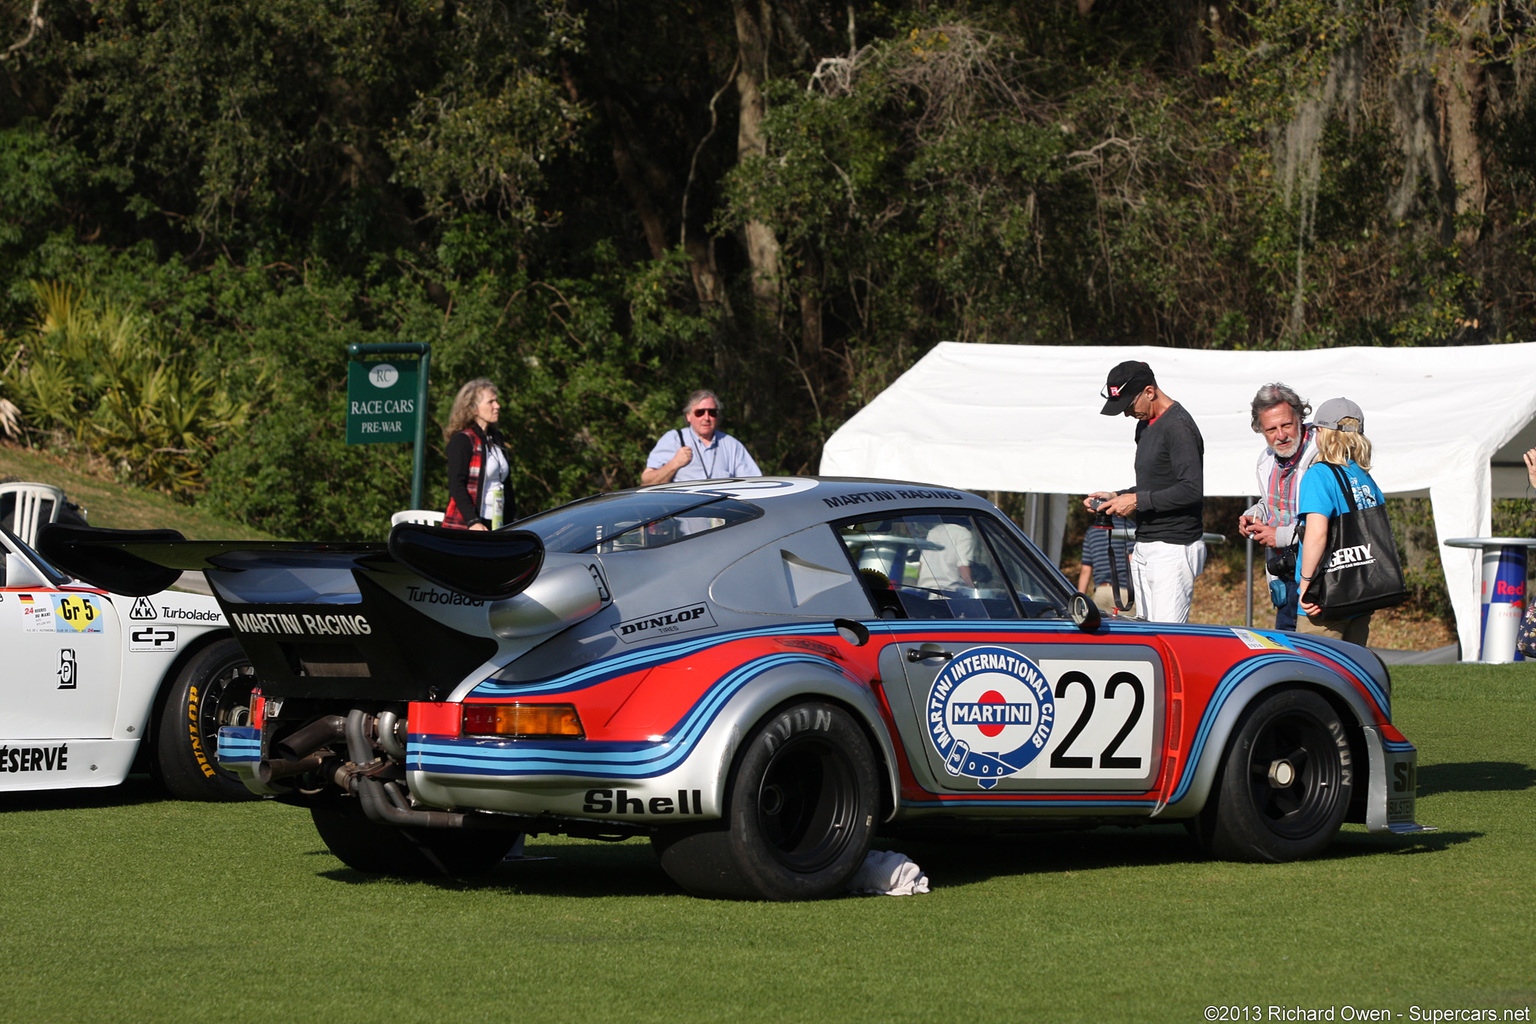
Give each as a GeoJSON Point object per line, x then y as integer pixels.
{"type": "Point", "coordinates": [1034, 585]}
{"type": "Point", "coordinates": [929, 566]}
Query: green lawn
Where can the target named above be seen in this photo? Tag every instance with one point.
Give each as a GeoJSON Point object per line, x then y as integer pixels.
{"type": "Point", "coordinates": [119, 906]}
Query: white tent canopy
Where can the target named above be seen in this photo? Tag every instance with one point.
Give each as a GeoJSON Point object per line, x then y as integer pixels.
{"type": "Point", "coordinates": [1450, 423]}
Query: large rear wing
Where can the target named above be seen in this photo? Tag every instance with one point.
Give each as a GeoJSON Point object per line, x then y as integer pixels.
{"type": "Point", "coordinates": [322, 619]}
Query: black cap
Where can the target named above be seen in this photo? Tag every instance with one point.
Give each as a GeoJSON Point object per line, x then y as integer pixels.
{"type": "Point", "coordinates": [1125, 382]}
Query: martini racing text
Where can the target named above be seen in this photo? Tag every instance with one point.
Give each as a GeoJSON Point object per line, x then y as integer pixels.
{"type": "Point", "coordinates": [909, 494]}
{"type": "Point", "coordinates": [301, 625]}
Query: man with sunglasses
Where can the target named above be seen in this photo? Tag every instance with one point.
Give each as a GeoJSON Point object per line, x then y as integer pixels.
{"type": "Point", "coordinates": [705, 452]}
{"type": "Point", "coordinates": [1168, 500]}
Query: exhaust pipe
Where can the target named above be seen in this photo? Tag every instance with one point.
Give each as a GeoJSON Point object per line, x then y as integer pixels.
{"type": "Point", "coordinates": [392, 809]}
{"type": "Point", "coordinates": [299, 751]}
{"type": "Point", "coordinates": [273, 768]}
{"type": "Point", "coordinates": [303, 742]}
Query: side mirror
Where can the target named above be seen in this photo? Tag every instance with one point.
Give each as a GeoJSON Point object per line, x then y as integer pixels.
{"type": "Point", "coordinates": [1085, 613]}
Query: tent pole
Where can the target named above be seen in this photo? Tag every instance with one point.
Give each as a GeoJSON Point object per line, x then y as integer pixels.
{"type": "Point", "coordinates": [1248, 590]}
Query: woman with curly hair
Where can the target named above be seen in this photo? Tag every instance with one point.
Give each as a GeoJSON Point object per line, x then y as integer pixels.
{"type": "Point", "coordinates": [479, 495]}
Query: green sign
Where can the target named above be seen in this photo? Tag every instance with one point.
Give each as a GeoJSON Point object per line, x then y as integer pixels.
{"type": "Point", "coordinates": [382, 401]}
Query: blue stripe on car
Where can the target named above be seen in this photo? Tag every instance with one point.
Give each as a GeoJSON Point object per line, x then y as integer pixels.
{"type": "Point", "coordinates": [608, 668]}
{"type": "Point", "coordinates": [478, 756]}
{"type": "Point", "coordinates": [1028, 801]}
{"type": "Point", "coordinates": [239, 744]}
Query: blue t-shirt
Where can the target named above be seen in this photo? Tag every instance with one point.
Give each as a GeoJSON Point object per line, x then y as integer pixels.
{"type": "Point", "coordinates": [1320, 493]}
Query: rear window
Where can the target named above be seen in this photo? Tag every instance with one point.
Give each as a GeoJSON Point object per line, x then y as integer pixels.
{"type": "Point", "coordinates": [636, 520]}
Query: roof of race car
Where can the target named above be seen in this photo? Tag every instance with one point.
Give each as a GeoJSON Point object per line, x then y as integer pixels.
{"type": "Point", "coordinates": [787, 504]}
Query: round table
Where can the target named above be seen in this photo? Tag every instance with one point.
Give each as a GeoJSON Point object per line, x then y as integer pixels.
{"type": "Point", "coordinates": [1503, 593]}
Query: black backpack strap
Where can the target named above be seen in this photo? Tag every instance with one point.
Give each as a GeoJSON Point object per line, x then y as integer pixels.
{"type": "Point", "coordinates": [1349, 492]}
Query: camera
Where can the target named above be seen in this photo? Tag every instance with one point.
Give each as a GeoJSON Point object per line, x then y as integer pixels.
{"type": "Point", "coordinates": [1101, 519]}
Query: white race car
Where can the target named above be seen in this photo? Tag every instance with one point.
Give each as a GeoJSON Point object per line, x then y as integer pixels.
{"type": "Point", "coordinates": [94, 685]}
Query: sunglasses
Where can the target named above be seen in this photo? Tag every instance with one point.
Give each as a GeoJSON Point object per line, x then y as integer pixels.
{"type": "Point", "coordinates": [701, 413]}
{"type": "Point", "coordinates": [1116, 390]}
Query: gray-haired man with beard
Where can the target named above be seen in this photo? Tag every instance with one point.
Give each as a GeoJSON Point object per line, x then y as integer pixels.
{"type": "Point", "coordinates": [1279, 413]}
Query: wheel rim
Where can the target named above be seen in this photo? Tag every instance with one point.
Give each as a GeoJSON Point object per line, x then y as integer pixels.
{"type": "Point", "coordinates": [807, 804]}
{"type": "Point", "coordinates": [227, 701]}
{"type": "Point", "coordinates": [1294, 775]}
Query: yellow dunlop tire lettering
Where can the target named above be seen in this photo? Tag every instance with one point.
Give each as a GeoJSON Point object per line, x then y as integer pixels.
{"type": "Point", "coordinates": [194, 736]}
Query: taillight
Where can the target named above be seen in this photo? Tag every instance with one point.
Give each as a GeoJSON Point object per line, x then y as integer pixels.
{"type": "Point", "coordinates": [258, 708]}
{"type": "Point", "coordinates": [522, 721]}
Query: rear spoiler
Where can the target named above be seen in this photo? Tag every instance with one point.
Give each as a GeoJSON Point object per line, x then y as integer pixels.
{"type": "Point", "coordinates": [321, 619]}
{"type": "Point", "coordinates": [476, 563]}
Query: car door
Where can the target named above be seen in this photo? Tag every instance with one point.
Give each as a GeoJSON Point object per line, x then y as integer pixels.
{"type": "Point", "coordinates": [992, 687]}
{"type": "Point", "coordinates": [63, 653]}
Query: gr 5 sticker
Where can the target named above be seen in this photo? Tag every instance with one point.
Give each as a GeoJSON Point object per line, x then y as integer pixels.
{"type": "Point", "coordinates": [990, 713]}
{"type": "Point", "coordinates": [76, 613]}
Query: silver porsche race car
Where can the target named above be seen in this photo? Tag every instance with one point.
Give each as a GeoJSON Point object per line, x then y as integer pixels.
{"type": "Point", "coordinates": [761, 675]}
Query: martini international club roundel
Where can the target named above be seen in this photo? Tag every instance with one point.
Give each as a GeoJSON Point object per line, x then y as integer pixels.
{"type": "Point", "coordinates": [990, 712]}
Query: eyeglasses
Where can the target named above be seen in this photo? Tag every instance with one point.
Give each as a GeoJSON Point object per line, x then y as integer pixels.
{"type": "Point", "coordinates": [701, 413]}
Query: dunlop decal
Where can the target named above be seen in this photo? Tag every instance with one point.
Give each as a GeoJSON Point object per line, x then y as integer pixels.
{"type": "Point", "coordinates": [672, 622]}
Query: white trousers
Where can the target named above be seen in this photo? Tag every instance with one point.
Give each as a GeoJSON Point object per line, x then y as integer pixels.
{"type": "Point", "coordinates": [1164, 575]}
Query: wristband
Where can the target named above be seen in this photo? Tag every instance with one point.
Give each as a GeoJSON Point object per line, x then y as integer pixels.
{"type": "Point", "coordinates": [1308, 578]}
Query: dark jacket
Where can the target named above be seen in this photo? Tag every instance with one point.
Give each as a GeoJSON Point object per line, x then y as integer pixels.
{"type": "Point", "coordinates": [466, 477]}
{"type": "Point", "coordinates": [1170, 478]}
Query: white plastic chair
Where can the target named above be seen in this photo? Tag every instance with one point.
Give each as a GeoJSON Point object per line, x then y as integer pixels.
{"type": "Point", "coordinates": [416, 515]}
{"type": "Point", "coordinates": [34, 505]}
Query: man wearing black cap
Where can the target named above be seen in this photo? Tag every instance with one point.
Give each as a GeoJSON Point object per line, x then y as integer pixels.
{"type": "Point", "coordinates": [1168, 500]}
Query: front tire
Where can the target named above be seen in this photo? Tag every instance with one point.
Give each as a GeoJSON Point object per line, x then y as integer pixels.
{"type": "Point", "coordinates": [801, 813]}
{"type": "Point", "coordinates": [374, 849]}
{"type": "Point", "coordinates": [1285, 785]}
{"type": "Point", "coordinates": [211, 691]}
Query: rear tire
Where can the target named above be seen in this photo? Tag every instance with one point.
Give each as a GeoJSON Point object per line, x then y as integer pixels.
{"type": "Point", "coordinates": [801, 813]}
{"type": "Point", "coordinates": [374, 849]}
{"type": "Point", "coordinates": [211, 691]}
{"type": "Point", "coordinates": [1286, 783]}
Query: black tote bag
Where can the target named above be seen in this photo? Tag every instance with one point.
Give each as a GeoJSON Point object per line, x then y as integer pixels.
{"type": "Point", "coordinates": [1359, 571]}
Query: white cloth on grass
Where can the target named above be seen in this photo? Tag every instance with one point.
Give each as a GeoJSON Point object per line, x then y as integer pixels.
{"type": "Point", "coordinates": [888, 873]}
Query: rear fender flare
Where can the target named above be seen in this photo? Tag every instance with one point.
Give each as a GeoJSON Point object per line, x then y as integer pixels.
{"type": "Point", "coordinates": [1238, 690]}
{"type": "Point", "coordinates": [789, 684]}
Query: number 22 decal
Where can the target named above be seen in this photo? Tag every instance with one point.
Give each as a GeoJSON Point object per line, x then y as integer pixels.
{"type": "Point", "coordinates": [1110, 756]}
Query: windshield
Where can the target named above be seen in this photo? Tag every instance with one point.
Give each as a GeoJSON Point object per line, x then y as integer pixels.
{"type": "Point", "coordinates": [635, 519]}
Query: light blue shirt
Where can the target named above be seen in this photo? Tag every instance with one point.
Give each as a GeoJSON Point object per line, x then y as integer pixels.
{"type": "Point", "coordinates": [724, 457]}
{"type": "Point", "coordinates": [1320, 492]}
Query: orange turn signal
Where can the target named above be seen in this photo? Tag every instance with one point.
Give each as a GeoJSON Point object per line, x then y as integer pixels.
{"type": "Point", "coordinates": [522, 721]}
